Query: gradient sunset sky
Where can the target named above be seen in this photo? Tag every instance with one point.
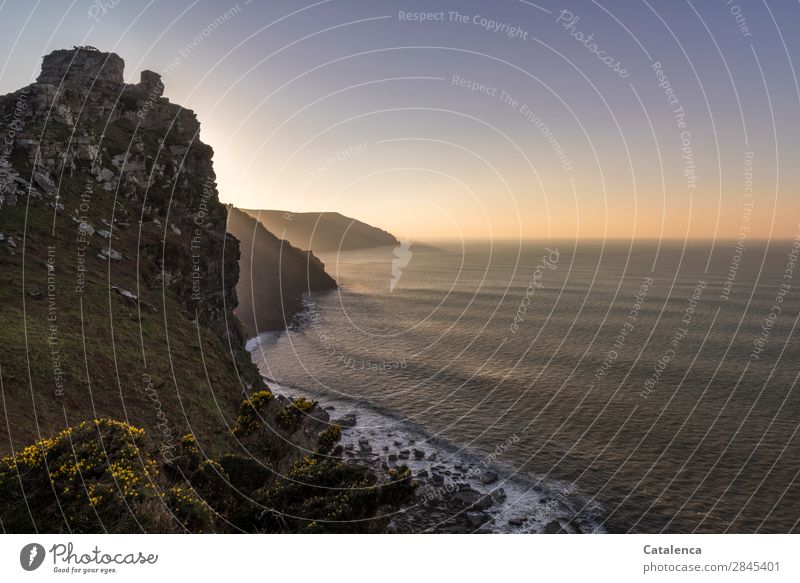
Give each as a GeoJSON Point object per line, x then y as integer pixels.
{"type": "Point", "coordinates": [354, 106]}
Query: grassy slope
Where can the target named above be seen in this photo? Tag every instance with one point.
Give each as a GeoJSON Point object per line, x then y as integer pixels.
{"type": "Point", "coordinates": [103, 348]}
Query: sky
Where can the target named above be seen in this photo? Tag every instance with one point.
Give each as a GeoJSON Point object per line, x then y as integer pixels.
{"type": "Point", "coordinates": [444, 119]}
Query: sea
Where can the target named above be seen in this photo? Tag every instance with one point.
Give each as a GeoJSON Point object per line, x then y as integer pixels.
{"type": "Point", "coordinates": [630, 387]}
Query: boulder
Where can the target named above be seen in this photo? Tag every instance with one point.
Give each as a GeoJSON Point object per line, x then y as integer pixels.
{"type": "Point", "coordinates": [43, 181]}
{"type": "Point", "coordinates": [476, 518]}
{"type": "Point", "coordinates": [488, 476]}
{"type": "Point", "coordinates": [348, 420]}
{"type": "Point", "coordinates": [498, 495]}
{"type": "Point", "coordinates": [108, 253]}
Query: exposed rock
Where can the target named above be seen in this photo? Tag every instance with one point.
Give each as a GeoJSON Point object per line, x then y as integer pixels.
{"type": "Point", "coordinates": [108, 253]}
{"type": "Point", "coordinates": [488, 476]}
{"type": "Point", "coordinates": [419, 454]}
{"type": "Point", "coordinates": [81, 67]}
{"type": "Point", "coordinates": [477, 518]}
{"type": "Point", "coordinates": [554, 527]}
{"type": "Point", "coordinates": [43, 181]}
{"type": "Point", "coordinates": [498, 495]}
{"type": "Point", "coordinates": [128, 295]}
{"type": "Point", "coordinates": [150, 82]}
{"type": "Point", "coordinates": [348, 420]}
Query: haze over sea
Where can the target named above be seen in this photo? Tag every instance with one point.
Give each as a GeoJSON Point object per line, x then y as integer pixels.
{"type": "Point", "coordinates": [625, 370]}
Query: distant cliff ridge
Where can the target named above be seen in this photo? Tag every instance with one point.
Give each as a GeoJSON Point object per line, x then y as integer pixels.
{"type": "Point", "coordinates": [322, 232]}
{"type": "Point", "coordinates": [274, 275]}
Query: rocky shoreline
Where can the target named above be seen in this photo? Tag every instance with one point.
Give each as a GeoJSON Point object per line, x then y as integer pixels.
{"type": "Point", "coordinates": [458, 492]}
{"type": "Point", "coordinates": [453, 496]}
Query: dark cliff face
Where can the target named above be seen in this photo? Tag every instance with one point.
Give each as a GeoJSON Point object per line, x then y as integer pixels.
{"type": "Point", "coordinates": [274, 275]}
{"type": "Point", "coordinates": [113, 251]}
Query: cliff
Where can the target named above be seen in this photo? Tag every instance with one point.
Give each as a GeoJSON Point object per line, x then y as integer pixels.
{"type": "Point", "coordinates": [117, 276]}
{"type": "Point", "coordinates": [323, 232]}
{"type": "Point", "coordinates": [274, 275]}
{"type": "Point", "coordinates": [130, 403]}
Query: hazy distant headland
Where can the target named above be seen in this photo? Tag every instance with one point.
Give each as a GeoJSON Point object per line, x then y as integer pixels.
{"type": "Point", "coordinates": [323, 231]}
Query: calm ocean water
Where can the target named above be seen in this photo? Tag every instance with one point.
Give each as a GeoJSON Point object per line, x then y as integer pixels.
{"type": "Point", "coordinates": [658, 381]}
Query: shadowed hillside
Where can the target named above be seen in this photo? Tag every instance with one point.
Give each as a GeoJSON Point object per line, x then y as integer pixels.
{"type": "Point", "coordinates": [273, 275]}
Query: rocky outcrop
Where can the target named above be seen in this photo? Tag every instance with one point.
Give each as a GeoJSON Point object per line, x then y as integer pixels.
{"type": "Point", "coordinates": [81, 119]}
{"type": "Point", "coordinates": [274, 275]}
{"type": "Point", "coordinates": [84, 66]}
{"type": "Point", "coordinates": [323, 232]}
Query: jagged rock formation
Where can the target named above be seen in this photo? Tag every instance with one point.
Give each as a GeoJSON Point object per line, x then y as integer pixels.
{"type": "Point", "coordinates": [116, 265]}
{"type": "Point", "coordinates": [274, 275]}
{"type": "Point", "coordinates": [323, 232]}
{"type": "Point", "coordinates": [86, 66]}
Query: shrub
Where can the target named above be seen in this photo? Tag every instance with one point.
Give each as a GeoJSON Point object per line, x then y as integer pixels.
{"type": "Point", "coordinates": [189, 509]}
{"type": "Point", "coordinates": [326, 495]}
{"type": "Point", "coordinates": [86, 479]}
{"type": "Point", "coordinates": [328, 439]}
{"type": "Point", "coordinates": [251, 412]}
{"type": "Point", "coordinates": [289, 417]}
{"type": "Point", "coordinates": [245, 473]}
{"type": "Point", "coordinates": [210, 479]}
